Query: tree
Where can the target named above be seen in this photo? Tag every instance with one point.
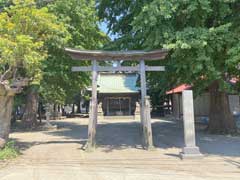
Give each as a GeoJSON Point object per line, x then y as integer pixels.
{"type": "Point", "coordinates": [24, 30]}
{"type": "Point", "coordinates": [203, 40]}
{"type": "Point", "coordinates": [59, 84]}
{"type": "Point", "coordinates": [4, 3]}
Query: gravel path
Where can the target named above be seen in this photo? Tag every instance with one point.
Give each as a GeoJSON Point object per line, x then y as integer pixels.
{"type": "Point", "coordinates": [59, 154]}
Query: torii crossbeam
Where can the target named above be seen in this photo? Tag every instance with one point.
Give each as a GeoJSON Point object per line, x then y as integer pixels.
{"type": "Point", "coordinates": [140, 56]}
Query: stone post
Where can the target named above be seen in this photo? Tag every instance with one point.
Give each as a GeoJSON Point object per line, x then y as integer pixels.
{"type": "Point", "coordinates": [100, 111]}
{"type": "Point", "coordinates": [137, 112]}
{"type": "Point", "coordinates": [48, 109]}
{"type": "Point", "coordinates": [48, 113]}
{"type": "Point", "coordinates": [190, 150]}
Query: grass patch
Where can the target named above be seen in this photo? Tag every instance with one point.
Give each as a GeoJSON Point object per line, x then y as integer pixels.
{"type": "Point", "coordinates": [9, 151]}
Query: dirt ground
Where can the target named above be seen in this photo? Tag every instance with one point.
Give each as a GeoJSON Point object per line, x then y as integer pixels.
{"type": "Point", "coordinates": [59, 154]}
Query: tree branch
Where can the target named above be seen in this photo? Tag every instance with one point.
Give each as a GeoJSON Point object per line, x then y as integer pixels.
{"type": "Point", "coordinates": [7, 74]}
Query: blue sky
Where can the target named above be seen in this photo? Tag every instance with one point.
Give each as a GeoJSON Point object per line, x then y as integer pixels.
{"type": "Point", "coordinates": [103, 27]}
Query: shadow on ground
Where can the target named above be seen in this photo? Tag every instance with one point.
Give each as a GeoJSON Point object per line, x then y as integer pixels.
{"type": "Point", "coordinates": [112, 136]}
{"type": "Point", "coordinates": [123, 135]}
{"type": "Point", "coordinates": [169, 134]}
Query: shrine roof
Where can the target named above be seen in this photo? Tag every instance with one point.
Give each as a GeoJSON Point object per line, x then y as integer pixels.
{"type": "Point", "coordinates": [109, 83]}
{"type": "Point", "coordinates": [116, 55]}
{"type": "Point", "coordinates": [179, 89]}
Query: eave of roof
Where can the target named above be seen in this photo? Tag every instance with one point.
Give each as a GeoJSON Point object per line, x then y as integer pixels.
{"type": "Point", "coordinates": [119, 93]}
{"type": "Point", "coordinates": [179, 89]}
{"type": "Point", "coordinates": [116, 55]}
{"type": "Point", "coordinates": [182, 87]}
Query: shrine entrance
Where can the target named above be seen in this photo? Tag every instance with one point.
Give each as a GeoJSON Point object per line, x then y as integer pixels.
{"type": "Point", "coordinates": [141, 68]}
{"type": "Point", "coordinates": [119, 106]}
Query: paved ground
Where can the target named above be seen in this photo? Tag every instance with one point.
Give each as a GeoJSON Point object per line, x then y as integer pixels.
{"type": "Point", "coordinates": [59, 154]}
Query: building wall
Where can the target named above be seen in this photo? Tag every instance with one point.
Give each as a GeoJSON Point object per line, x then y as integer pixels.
{"type": "Point", "coordinates": [201, 105]}
{"type": "Point", "coordinates": [176, 105]}
{"type": "Point", "coordinates": [234, 101]}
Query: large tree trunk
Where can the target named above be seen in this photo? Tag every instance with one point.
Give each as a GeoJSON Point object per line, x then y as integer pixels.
{"type": "Point", "coordinates": [7, 93]}
{"type": "Point", "coordinates": [30, 115]}
{"type": "Point", "coordinates": [221, 120]}
{"type": "Point", "coordinates": [6, 105]}
{"type": "Point", "coordinates": [73, 108]}
{"type": "Point", "coordinates": [79, 107]}
{"type": "Point", "coordinates": [40, 112]}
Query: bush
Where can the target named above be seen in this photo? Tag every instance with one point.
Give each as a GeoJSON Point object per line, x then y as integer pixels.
{"type": "Point", "coordinates": [9, 151]}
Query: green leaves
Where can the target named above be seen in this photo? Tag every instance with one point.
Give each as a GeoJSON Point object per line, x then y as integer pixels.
{"type": "Point", "coordinates": [202, 36]}
{"type": "Point", "coordinates": [24, 32]}
{"type": "Point", "coordinates": [79, 17]}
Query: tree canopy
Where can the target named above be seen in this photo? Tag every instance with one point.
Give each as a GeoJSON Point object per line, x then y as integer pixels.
{"type": "Point", "coordinates": [79, 16]}
{"type": "Point", "coordinates": [203, 35]}
{"type": "Point", "coordinates": [202, 38]}
{"type": "Point", "coordinates": [24, 32]}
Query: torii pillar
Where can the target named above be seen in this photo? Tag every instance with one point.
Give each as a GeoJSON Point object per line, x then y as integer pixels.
{"type": "Point", "coordinates": [145, 109]}
{"type": "Point", "coordinates": [93, 109]}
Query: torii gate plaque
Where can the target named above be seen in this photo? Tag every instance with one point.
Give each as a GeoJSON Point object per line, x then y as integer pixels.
{"type": "Point", "coordinates": [140, 56]}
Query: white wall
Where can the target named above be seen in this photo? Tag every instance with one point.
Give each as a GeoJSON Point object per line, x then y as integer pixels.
{"type": "Point", "coordinates": [234, 101]}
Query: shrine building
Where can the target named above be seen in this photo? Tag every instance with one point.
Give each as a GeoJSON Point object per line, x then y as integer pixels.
{"type": "Point", "coordinates": [118, 94]}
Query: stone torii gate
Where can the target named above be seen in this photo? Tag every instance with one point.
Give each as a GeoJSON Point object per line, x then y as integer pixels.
{"type": "Point", "coordinates": [140, 56]}
{"type": "Point", "coordinates": [190, 149]}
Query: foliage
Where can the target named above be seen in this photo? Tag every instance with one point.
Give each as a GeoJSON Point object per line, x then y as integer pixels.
{"type": "Point", "coordinates": [60, 84]}
{"type": "Point", "coordinates": [24, 32]}
{"type": "Point", "coordinates": [203, 42]}
{"type": "Point", "coordinates": [9, 151]}
{"type": "Point", "coordinates": [4, 3]}
{"type": "Point", "coordinates": [202, 36]}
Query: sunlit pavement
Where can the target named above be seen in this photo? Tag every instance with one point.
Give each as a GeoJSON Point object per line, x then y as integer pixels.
{"type": "Point", "coordinates": [59, 154]}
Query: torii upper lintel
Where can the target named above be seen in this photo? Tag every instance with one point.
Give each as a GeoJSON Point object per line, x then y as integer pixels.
{"type": "Point", "coordinates": [116, 55]}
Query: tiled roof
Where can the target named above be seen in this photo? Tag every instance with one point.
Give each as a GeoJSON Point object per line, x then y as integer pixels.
{"type": "Point", "coordinates": [179, 89]}
{"type": "Point", "coordinates": [183, 87]}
